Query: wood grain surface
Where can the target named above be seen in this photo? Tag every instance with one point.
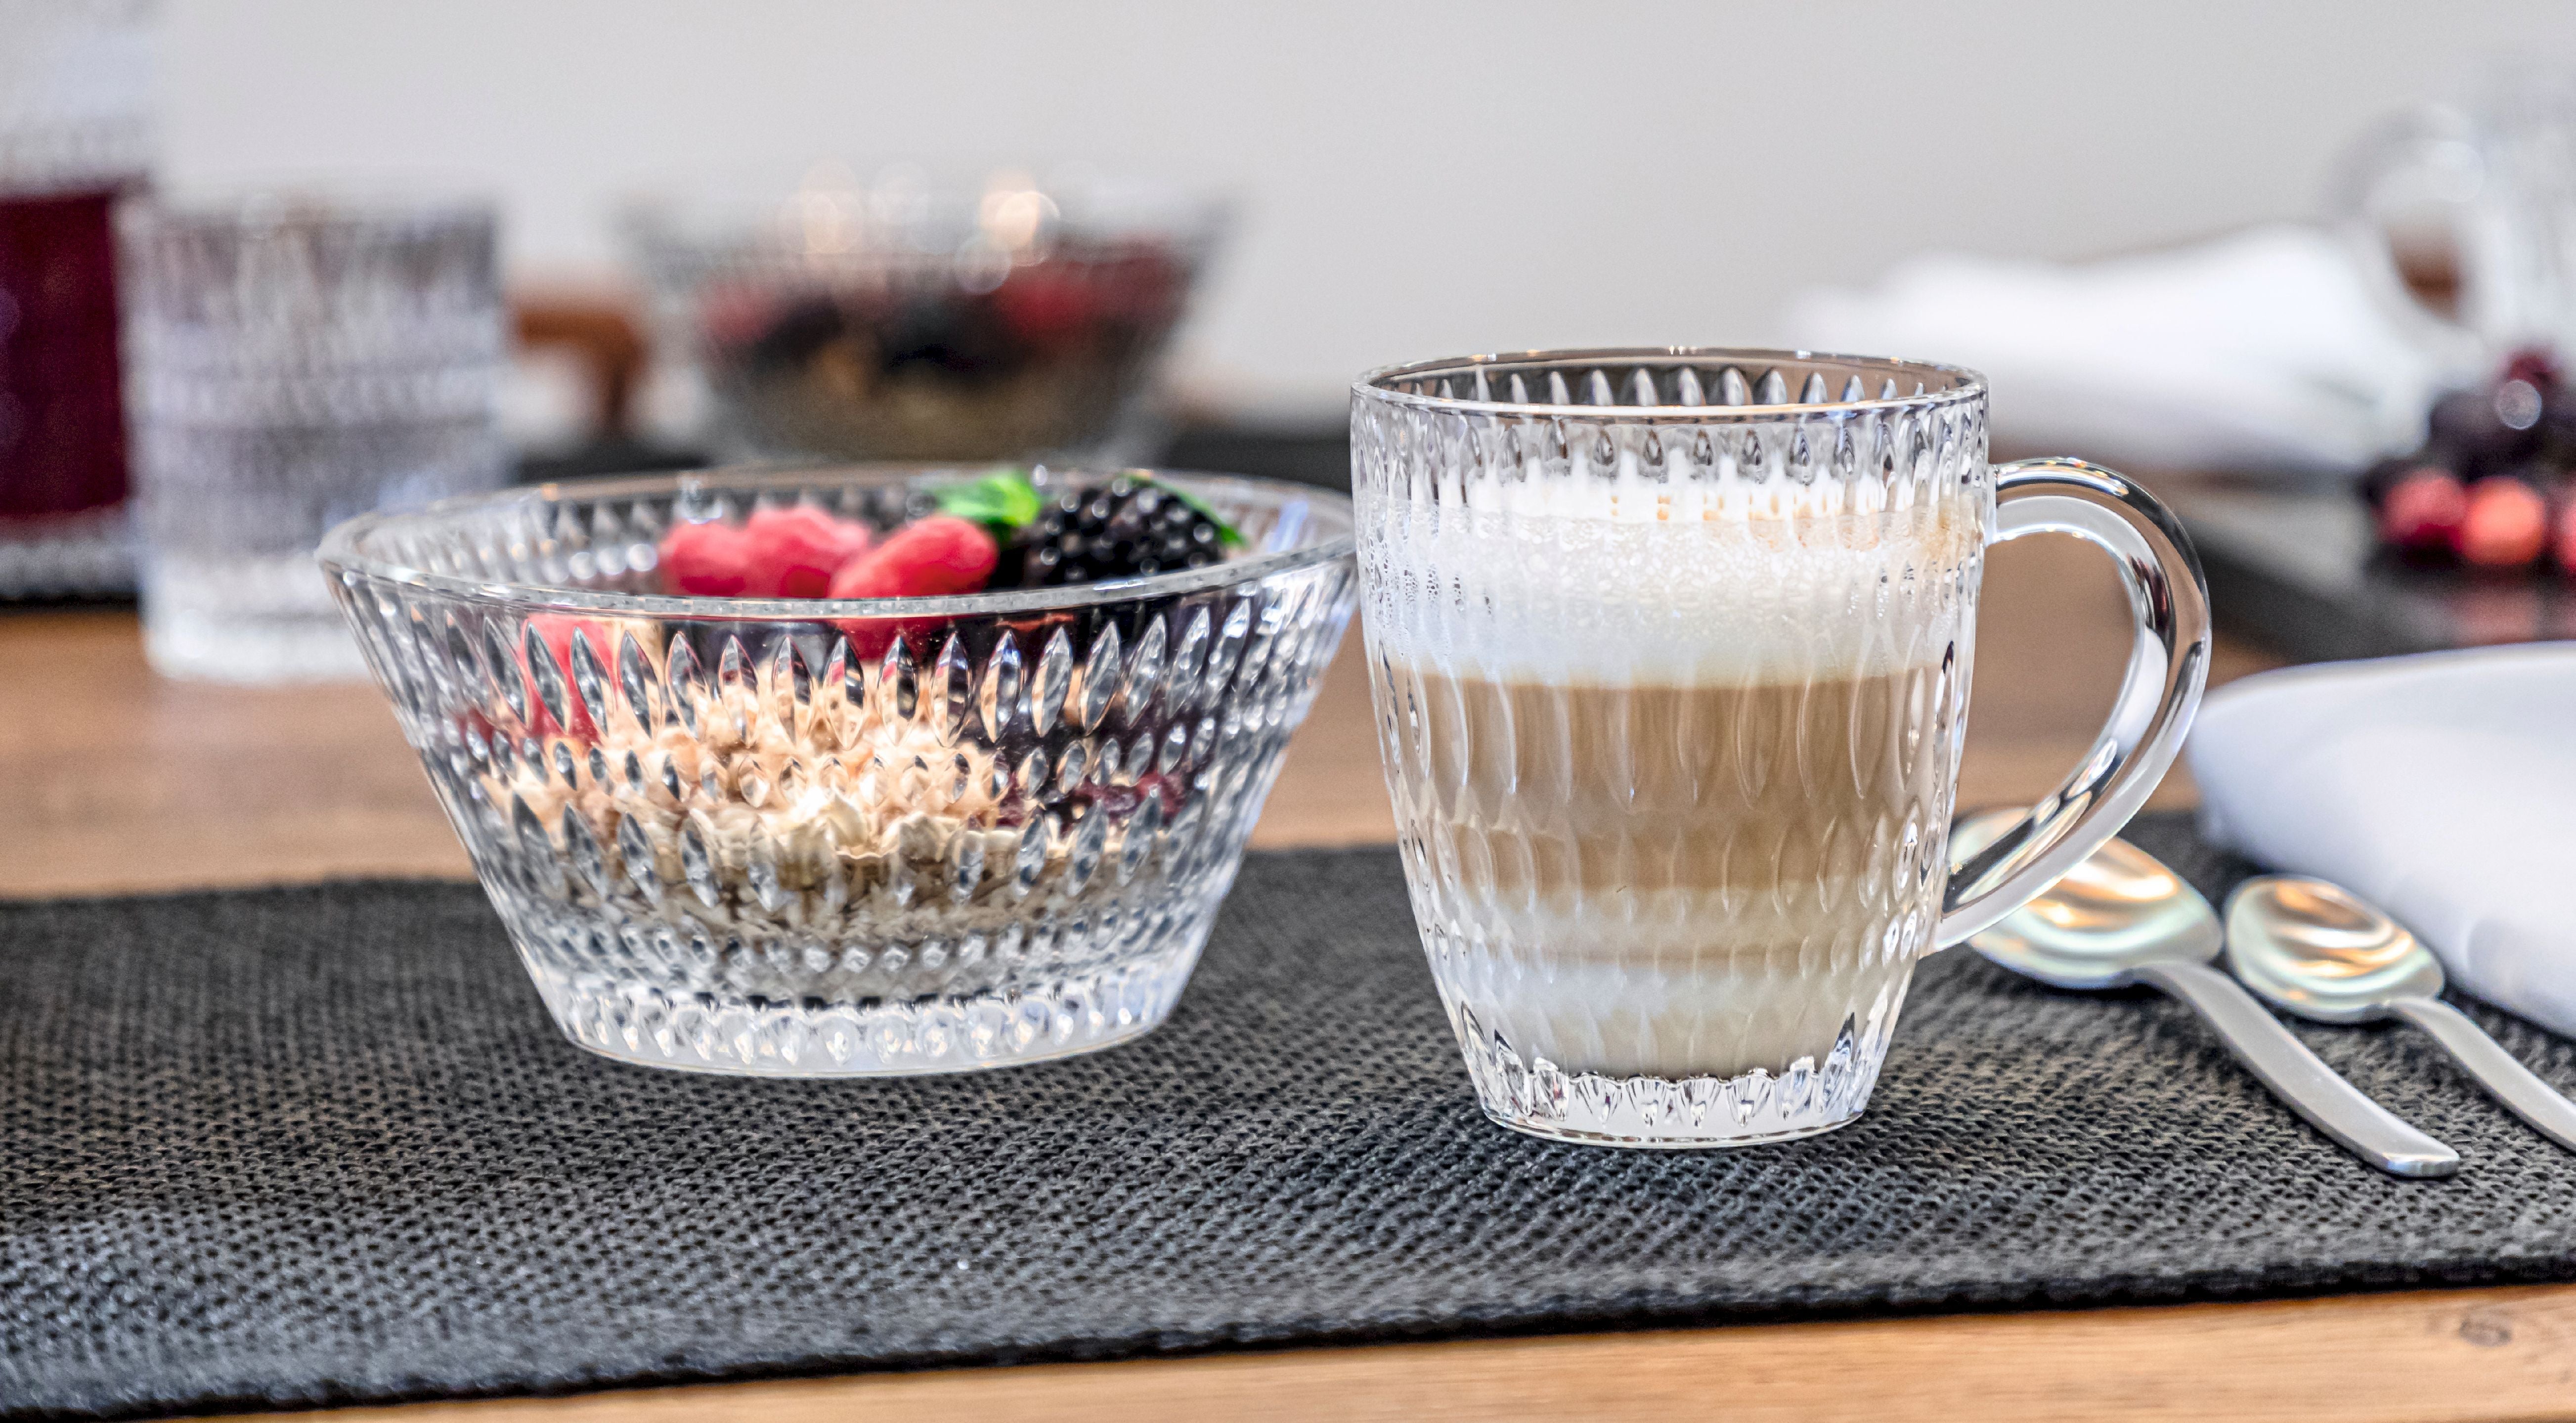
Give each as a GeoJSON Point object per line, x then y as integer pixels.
{"type": "Point", "coordinates": [114, 780]}
{"type": "Point", "coordinates": [2429, 1357]}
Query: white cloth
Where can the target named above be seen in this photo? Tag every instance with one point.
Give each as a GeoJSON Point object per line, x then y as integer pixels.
{"type": "Point", "coordinates": [2264, 351]}
{"type": "Point", "coordinates": [2441, 788]}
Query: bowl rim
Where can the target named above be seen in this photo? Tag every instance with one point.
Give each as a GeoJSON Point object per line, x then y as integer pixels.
{"type": "Point", "coordinates": [342, 556]}
{"type": "Point", "coordinates": [1377, 386]}
{"type": "Point", "coordinates": [722, 206]}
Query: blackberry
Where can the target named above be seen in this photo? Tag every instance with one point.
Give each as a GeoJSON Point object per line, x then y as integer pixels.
{"type": "Point", "coordinates": [797, 335]}
{"type": "Point", "coordinates": [1126, 528]}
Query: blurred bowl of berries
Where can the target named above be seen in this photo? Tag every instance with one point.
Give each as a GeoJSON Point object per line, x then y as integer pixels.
{"type": "Point", "coordinates": [2493, 486]}
{"type": "Point", "coordinates": [906, 319]}
{"type": "Point", "coordinates": [854, 771]}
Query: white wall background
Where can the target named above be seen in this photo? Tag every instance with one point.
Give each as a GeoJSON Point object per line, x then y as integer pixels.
{"type": "Point", "coordinates": [1418, 178]}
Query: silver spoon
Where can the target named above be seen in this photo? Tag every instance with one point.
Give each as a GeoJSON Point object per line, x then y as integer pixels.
{"type": "Point", "coordinates": [2321, 953]}
{"type": "Point", "coordinates": [2120, 918]}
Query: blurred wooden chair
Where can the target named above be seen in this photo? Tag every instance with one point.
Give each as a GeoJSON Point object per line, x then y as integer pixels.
{"type": "Point", "coordinates": [604, 334]}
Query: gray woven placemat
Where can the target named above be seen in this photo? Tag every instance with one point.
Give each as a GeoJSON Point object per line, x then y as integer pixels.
{"type": "Point", "coordinates": [311, 1145]}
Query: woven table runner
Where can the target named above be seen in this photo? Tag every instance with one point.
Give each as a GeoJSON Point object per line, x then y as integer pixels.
{"type": "Point", "coordinates": [316, 1145]}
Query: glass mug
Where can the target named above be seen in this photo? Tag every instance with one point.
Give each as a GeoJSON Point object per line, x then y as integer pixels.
{"type": "Point", "coordinates": [2484, 200]}
{"type": "Point", "coordinates": [1670, 651]}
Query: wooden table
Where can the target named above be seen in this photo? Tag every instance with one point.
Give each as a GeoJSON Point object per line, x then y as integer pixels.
{"type": "Point", "coordinates": [113, 780]}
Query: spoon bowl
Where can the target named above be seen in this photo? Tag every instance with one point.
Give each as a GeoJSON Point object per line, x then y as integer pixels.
{"type": "Point", "coordinates": [2320, 951]}
{"type": "Point", "coordinates": [2110, 916]}
{"type": "Point", "coordinates": [2317, 951]}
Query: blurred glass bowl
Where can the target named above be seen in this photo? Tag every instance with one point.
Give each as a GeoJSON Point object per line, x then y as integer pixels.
{"type": "Point", "coordinates": [911, 320]}
{"type": "Point", "coordinates": [815, 838]}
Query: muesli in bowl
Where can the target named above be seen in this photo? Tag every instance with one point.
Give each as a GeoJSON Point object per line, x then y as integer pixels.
{"type": "Point", "coordinates": [854, 771]}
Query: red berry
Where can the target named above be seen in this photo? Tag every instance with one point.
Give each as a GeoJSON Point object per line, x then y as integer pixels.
{"type": "Point", "coordinates": [710, 560]}
{"type": "Point", "coordinates": [2564, 543]}
{"type": "Point", "coordinates": [2534, 364]}
{"type": "Point", "coordinates": [795, 551]}
{"type": "Point", "coordinates": [871, 638]}
{"type": "Point", "coordinates": [923, 559]}
{"type": "Point", "coordinates": [2507, 524]}
{"type": "Point", "coordinates": [1048, 305]}
{"type": "Point", "coordinates": [2423, 511]}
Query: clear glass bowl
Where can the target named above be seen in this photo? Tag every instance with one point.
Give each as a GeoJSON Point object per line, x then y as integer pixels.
{"type": "Point", "coordinates": [816, 838]}
{"type": "Point", "coordinates": [906, 319]}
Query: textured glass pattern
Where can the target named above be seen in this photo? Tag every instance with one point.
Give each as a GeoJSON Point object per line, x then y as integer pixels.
{"type": "Point", "coordinates": [295, 364]}
{"type": "Point", "coordinates": [1671, 659]}
{"type": "Point", "coordinates": [989, 831]}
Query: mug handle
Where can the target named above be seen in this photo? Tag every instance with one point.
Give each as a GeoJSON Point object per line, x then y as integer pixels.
{"type": "Point", "coordinates": [2168, 667]}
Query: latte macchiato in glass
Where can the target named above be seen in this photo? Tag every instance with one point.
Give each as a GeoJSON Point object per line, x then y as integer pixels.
{"type": "Point", "coordinates": [1671, 693]}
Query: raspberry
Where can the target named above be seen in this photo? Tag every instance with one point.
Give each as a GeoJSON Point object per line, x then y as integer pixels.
{"type": "Point", "coordinates": [2507, 524]}
{"type": "Point", "coordinates": [924, 559]}
{"type": "Point", "coordinates": [2423, 510]}
{"type": "Point", "coordinates": [795, 551]}
{"type": "Point", "coordinates": [710, 560]}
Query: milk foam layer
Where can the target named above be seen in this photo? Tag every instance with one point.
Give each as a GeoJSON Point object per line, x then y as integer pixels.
{"type": "Point", "coordinates": [1572, 594]}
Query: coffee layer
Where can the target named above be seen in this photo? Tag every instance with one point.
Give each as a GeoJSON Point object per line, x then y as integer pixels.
{"type": "Point", "coordinates": [1765, 791]}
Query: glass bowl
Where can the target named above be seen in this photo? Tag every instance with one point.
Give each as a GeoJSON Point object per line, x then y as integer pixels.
{"type": "Point", "coordinates": [856, 837]}
{"type": "Point", "coordinates": [911, 320]}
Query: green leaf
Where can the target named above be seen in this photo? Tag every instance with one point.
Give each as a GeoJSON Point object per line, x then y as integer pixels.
{"type": "Point", "coordinates": [1004, 499]}
{"type": "Point", "coordinates": [1226, 534]}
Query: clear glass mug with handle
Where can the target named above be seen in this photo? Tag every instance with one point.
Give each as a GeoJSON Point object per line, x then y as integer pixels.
{"type": "Point", "coordinates": [1671, 651]}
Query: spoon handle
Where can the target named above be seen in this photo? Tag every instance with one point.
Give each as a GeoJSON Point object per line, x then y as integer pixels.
{"type": "Point", "coordinates": [2298, 1076]}
{"type": "Point", "coordinates": [2513, 1084]}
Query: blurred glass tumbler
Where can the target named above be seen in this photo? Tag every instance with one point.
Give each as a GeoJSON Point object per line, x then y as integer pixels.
{"type": "Point", "coordinates": [1671, 653]}
{"type": "Point", "coordinates": [295, 363]}
{"type": "Point", "coordinates": [842, 838]}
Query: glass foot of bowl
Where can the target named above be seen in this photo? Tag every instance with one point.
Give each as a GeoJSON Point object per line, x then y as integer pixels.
{"type": "Point", "coordinates": [645, 990]}
{"type": "Point", "coordinates": [706, 1032]}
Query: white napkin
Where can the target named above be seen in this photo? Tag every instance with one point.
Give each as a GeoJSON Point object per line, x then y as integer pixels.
{"type": "Point", "coordinates": [2441, 788]}
{"type": "Point", "coordinates": [2264, 351]}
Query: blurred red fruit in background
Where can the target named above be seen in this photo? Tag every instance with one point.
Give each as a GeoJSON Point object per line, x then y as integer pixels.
{"type": "Point", "coordinates": [2423, 512]}
{"type": "Point", "coordinates": [2507, 524]}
